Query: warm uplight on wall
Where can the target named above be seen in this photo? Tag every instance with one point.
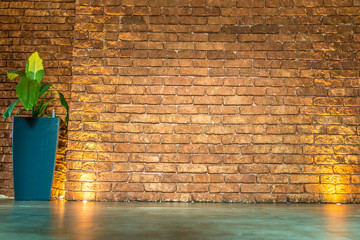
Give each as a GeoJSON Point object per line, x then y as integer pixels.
{"type": "Point", "coordinates": [336, 198]}
{"type": "Point", "coordinates": [87, 177]}
{"type": "Point", "coordinates": [86, 196]}
{"type": "Point", "coordinates": [336, 188]}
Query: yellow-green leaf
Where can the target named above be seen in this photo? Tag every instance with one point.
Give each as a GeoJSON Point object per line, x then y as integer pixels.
{"type": "Point", "coordinates": [34, 68]}
{"type": "Point", "coordinates": [13, 74]}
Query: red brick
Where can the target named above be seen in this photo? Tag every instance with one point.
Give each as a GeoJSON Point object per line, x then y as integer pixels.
{"type": "Point", "coordinates": [313, 169]}
{"type": "Point", "coordinates": [255, 188]}
{"type": "Point", "coordinates": [139, 177]}
{"type": "Point", "coordinates": [160, 167]}
{"type": "Point", "coordinates": [272, 178]}
{"type": "Point", "coordinates": [160, 148]}
{"type": "Point", "coordinates": [206, 139]}
{"type": "Point", "coordinates": [207, 197]}
{"type": "Point", "coordinates": [286, 149]}
{"type": "Point", "coordinates": [160, 187]}
{"type": "Point", "coordinates": [253, 168]}
{"type": "Point", "coordinates": [144, 196]}
{"type": "Point", "coordinates": [255, 149]}
{"type": "Point", "coordinates": [128, 167]}
{"type": "Point", "coordinates": [268, 159]}
{"type": "Point", "coordinates": [304, 179]}
{"type": "Point", "coordinates": [176, 158]}
{"type": "Point", "coordinates": [208, 178]}
{"type": "Point", "coordinates": [112, 177]}
{"type": "Point", "coordinates": [176, 178]}
{"type": "Point", "coordinates": [205, 119]}
{"type": "Point", "coordinates": [192, 168]}
{"type": "Point", "coordinates": [287, 188]}
{"type": "Point", "coordinates": [144, 158]}
{"type": "Point", "coordinates": [223, 168]}
{"type": "Point", "coordinates": [240, 178]}
{"type": "Point", "coordinates": [176, 197]}
{"type": "Point", "coordinates": [224, 149]}
{"type": "Point", "coordinates": [192, 187]}
{"type": "Point", "coordinates": [128, 187]}
{"type": "Point", "coordinates": [284, 168]}
{"type": "Point", "coordinates": [236, 139]}
{"type": "Point", "coordinates": [87, 196]}
{"type": "Point", "coordinates": [176, 139]}
{"type": "Point", "coordinates": [144, 139]}
{"type": "Point", "coordinates": [96, 186]}
{"type": "Point", "coordinates": [206, 159]}
{"type": "Point", "coordinates": [270, 198]}
{"type": "Point", "coordinates": [223, 187]}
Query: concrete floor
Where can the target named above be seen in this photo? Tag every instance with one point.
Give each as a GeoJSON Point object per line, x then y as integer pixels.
{"type": "Point", "coordinates": [77, 221]}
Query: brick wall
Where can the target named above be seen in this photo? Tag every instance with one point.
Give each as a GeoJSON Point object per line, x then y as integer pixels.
{"type": "Point", "coordinates": [209, 100]}
{"type": "Point", "coordinates": [25, 27]}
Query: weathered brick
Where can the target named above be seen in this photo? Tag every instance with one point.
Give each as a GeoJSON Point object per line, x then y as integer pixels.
{"type": "Point", "coordinates": [192, 187]}
{"type": "Point", "coordinates": [255, 188]}
{"type": "Point", "coordinates": [222, 187]}
{"type": "Point", "coordinates": [285, 188]}
{"type": "Point", "coordinates": [176, 178]}
{"type": "Point", "coordinates": [160, 187]}
{"type": "Point", "coordinates": [128, 167]}
{"type": "Point", "coordinates": [304, 179]}
{"type": "Point", "coordinates": [192, 168]}
{"type": "Point", "coordinates": [128, 187]}
{"type": "Point", "coordinates": [176, 197]}
{"type": "Point", "coordinates": [160, 167]}
{"type": "Point", "coordinates": [112, 177]}
{"type": "Point", "coordinates": [139, 177]}
{"type": "Point", "coordinates": [240, 178]}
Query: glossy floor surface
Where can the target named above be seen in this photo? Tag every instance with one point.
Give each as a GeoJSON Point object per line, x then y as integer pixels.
{"type": "Point", "coordinates": [77, 220]}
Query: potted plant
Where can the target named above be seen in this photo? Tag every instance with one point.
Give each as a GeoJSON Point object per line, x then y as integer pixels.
{"type": "Point", "coordinates": [34, 138]}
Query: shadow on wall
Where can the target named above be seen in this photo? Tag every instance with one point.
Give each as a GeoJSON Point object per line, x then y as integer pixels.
{"type": "Point", "coordinates": [58, 188]}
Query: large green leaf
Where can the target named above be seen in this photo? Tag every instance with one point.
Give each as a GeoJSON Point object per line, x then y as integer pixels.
{"type": "Point", "coordinates": [8, 111]}
{"type": "Point", "coordinates": [34, 68]}
{"type": "Point", "coordinates": [13, 74]}
{"type": "Point", "coordinates": [28, 92]}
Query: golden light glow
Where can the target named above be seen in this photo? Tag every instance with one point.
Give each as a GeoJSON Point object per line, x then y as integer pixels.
{"type": "Point", "coordinates": [59, 212]}
{"type": "Point", "coordinates": [80, 221]}
{"type": "Point", "coordinates": [85, 221]}
{"type": "Point", "coordinates": [335, 217]}
{"type": "Point", "coordinates": [340, 190]}
{"type": "Point", "coordinates": [87, 176]}
{"type": "Point", "coordinates": [88, 196]}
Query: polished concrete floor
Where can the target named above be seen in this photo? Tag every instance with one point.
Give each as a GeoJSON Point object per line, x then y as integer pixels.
{"type": "Point", "coordinates": [77, 220]}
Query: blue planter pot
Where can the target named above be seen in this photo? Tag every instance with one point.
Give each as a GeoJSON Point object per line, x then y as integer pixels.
{"type": "Point", "coordinates": [34, 154]}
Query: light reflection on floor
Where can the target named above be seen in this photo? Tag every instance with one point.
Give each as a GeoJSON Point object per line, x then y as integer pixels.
{"type": "Point", "coordinates": [83, 221]}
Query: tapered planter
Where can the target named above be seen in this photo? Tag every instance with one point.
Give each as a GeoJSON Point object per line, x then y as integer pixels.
{"type": "Point", "coordinates": [34, 154]}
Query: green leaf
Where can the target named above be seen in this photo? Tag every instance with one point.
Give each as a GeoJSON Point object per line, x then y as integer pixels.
{"type": "Point", "coordinates": [43, 107]}
{"type": "Point", "coordinates": [43, 99]}
{"type": "Point", "coordinates": [28, 92]}
{"type": "Point", "coordinates": [44, 87]}
{"type": "Point", "coordinates": [20, 111]}
{"type": "Point", "coordinates": [65, 105]}
{"type": "Point", "coordinates": [34, 68]}
{"type": "Point", "coordinates": [13, 74]}
{"type": "Point", "coordinates": [8, 111]}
